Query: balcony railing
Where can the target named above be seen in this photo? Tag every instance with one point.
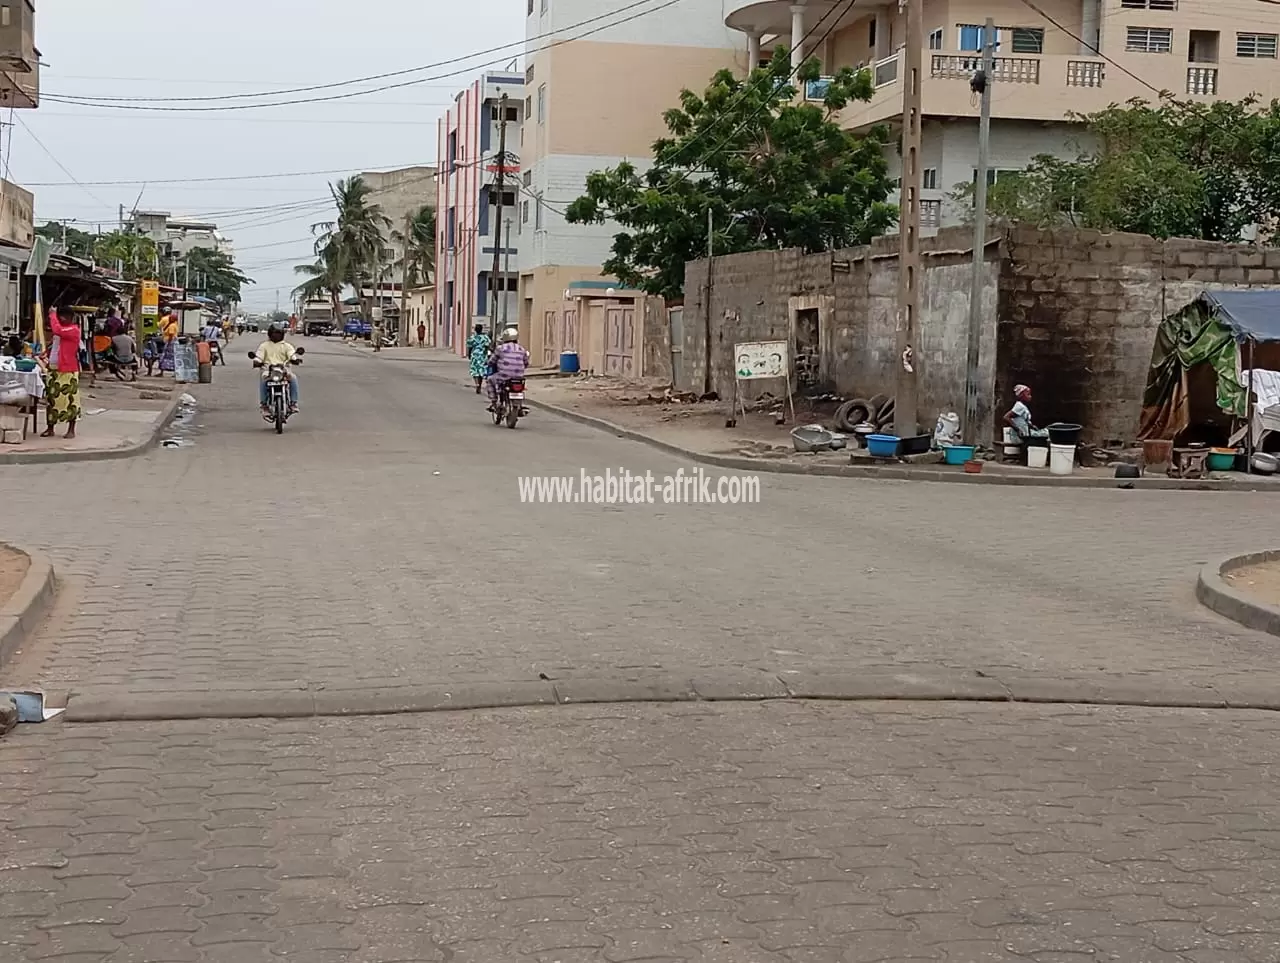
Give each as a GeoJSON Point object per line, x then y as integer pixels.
{"type": "Point", "coordinates": [1016, 70]}
{"type": "Point", "coordinates": [1086, 73]}
{"type": "Point", "coordinates": [1202, 80]}
{"type": "Point", "coordinates": [885, 72]}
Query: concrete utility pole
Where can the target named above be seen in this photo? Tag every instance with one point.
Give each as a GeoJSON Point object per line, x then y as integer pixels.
{"type": "Point", "coordinates": [981, 85]}
{"type": "Point", "coordinates": [706, 314]}
{"type": "Point", "coordinates": [905, 417]}
{"type": "Point", "coordinates": [497, 218]}
{"type": "Point", "coordinates": [506, 273]}
{"type": "Point", "coordinates": [404, 283]}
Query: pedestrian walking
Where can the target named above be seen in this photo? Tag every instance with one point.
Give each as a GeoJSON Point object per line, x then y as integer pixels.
{"type": "Point", "coordinates": [63, 389]}
{"type": "Point", "coordinates": [478, 347]}
{"type": "Point", "coordinates": [422, 335]}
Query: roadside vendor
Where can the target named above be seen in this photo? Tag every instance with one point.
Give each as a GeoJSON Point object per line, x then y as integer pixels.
{"type": "Point", "coordinates": [1019, 416]}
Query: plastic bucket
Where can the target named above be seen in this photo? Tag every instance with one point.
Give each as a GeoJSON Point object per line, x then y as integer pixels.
{"type": "Point", "coordinates": [1037, 456]}
{"type": "Point", "coordinates": [1011, 443]}
{"type": "Point", "coordinates": [569, 362]}
{"type": "Point", "coordinates": [1062, 459]}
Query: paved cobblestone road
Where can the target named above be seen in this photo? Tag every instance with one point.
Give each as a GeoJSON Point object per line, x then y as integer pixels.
{"type": "Point", "coordinates": [361, 546]}
{"type": "Point", "coordinates": [746, 833]}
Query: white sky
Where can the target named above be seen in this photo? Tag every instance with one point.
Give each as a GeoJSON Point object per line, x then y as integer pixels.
{"type": "Point", "coordinates": [185, 48]}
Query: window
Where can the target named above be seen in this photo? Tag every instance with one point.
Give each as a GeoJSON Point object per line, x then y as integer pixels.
{"type": "Point", "coordinates": [508, 198]}
{"type": "Point", "coordinates": [508, 282]}
{"type": "Point", "coordinates": [524, 212]}
{"type": "Point", "coordinates": [1028, 40]}
{"type": "Point", "coordinates": [528, 107]}
{"type": "Point", "coordinates": [871, 33]}
{"type": "Point", "coordinates": [513, 113]}
{"type": "Point", "coordinates": [542, 104]}
{"type": "Point", "coordinates": [935, 39]}
{"type": "Point", "coordinates": [1260, 45]}
{"type": "Point", "coordinates": [530, 13]}
{"type": "Point", "coordinates": [544, 6]}
{"type": "Point", "coordinates": [537, 212]}
{"type": "Point", "coordinates": [930, 213]}
{"type": "Point", "coordinates": [929, 179]}
{"type": "Point", "coordinates": [1149, 39]}
{"type": "Point", "coordinates": [995, 173]}
{"type": "Point", "coordinates": [971, 37]}
{"type": "Point", "coordinates": [528, 178]}
{"type": "Point", "coordinates": [528, 73]}
{"type": "Point", "coordinates": [1149, 4]}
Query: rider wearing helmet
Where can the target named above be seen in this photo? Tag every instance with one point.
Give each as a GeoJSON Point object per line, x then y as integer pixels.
{"type": "Point", "coordinates": [510, 362]}
{"type": "Point", "coordinates": [276, 350]}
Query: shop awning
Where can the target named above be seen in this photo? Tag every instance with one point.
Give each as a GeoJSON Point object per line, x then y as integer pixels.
{"type": "Point", "coordinates": [1250, 315]}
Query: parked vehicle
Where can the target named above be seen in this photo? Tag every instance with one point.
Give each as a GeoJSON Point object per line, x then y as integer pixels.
{"type": "Point", "coordinates": [355, 328]}
{"type": "Point", "coordinates": [317, 328]}
{"type": "Point", "coordinates": [509, 408]}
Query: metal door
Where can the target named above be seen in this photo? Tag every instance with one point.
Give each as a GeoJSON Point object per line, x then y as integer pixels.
{"type": "Point", "coordinates": [620, 342]}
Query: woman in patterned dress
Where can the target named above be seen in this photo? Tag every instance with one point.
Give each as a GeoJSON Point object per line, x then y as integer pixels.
{"type": "Point", "coordinates": [62, 393]}
{"type": "Point", "coordinates": [478, 347]}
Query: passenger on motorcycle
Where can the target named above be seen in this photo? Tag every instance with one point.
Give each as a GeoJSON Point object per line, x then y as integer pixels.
{"type": "Point", "coordinates": [510, 362]}
{"type": "Point", "coordinates": [276, 350]}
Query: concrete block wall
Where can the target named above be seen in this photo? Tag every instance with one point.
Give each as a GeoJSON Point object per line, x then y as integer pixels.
{"type": "Point", "coordinates": [753, 295]}
{"type": "Point", "coordinates": [1078, 314]}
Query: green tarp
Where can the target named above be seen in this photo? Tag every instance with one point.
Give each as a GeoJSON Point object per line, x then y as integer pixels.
{"type": "Point", "coordinates": [1192, 336]}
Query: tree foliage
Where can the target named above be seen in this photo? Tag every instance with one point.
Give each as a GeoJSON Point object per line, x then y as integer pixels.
{"type": "Point", "coordinates": [214, 274]}
{"type": "Point", "coordinates": [350, 249]}
{"type": "Point", "coordinates": [1168, 169]}
{"type": "Point", "coordinates": [134, 253]}
{"type": "Point", "coordinates": [79, 243]}
{"type": "Point", "coordinates": [771, 171]}
{"type": "Point", "coordinates": [418, 242]}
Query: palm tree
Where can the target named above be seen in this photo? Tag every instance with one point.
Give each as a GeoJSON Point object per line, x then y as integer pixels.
{"type": "Point", "coordinates": [328, 275]}
{"type": "Point", "coordinates": [418, 244]}
{"type": "Point", "coordinates": [354, 239]}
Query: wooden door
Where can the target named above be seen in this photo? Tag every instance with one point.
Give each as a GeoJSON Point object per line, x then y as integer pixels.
{"type": "Point", "coordinates": [620, 342]}
{"type": "Point", "coordinates": [550, 357]}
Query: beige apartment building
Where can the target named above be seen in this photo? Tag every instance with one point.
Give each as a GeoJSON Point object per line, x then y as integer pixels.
{"type": "Point", "coordinates": [1046, 68]}
{"type": "Point", "coordinates": [599, 76]}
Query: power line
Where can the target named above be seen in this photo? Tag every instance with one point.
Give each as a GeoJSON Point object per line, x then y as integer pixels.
{"type": "Point", "coordinates": [206, 180]}
{"type": "Point", "coordinates": [137, 104]}
{"type": "Point", "coordinates": [53, 157]}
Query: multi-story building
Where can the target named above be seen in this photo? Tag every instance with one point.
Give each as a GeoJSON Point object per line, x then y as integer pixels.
{"type": "Point", "coordinates": [468, 228]}
{"type": "Point", "coordinates": [591, 103]}
{"type": "Point", "coordinates": [401, 194]}
{"type": "Point", "coordinates": [1046, 68]}
{"type": "Point", "coordinates": [175, 237]}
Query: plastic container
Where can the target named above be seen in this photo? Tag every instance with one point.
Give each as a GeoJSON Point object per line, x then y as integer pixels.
{"type": "Point", "coordinates": [972, 467]}
{"type": "Point", "coordinates": [204, 355]}
{"type": "Point", "coordinates": [204, 373]}
{"type": "Point", "coordinates": [1222, 459]}
{"type": "Point", "coordinates": [1062, 459]}
{"type": "Point", "coordinates": [883, 446]}
{"type": "Point", "coordinates": [958, 454]}
{"type": "Point", "coordinates": [569, 362]}
{"type": "Point", "coordinates": [1037, 456]}
{"type": "Point", "coordinates": [918, 445]}
{"type": "Point", "coordinates": [1064, 433]}
{"type": "Point", "coordinates": [1011, 442]}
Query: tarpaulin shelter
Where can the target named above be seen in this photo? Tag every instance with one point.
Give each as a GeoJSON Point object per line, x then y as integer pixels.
{"type": "Point", "coordinates": [1214, 330]}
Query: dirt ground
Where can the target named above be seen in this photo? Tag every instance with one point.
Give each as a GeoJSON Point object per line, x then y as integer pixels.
{"type": "Point", "coordinates": [1260, 581]}
{"type": "Point", "coordinates": [13, 568]}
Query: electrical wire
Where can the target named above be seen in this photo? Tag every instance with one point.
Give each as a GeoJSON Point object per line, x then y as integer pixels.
{"type": "Point", "coordinates": [152, 105]}
{"type": "Point", "coordinates": [53, 157]}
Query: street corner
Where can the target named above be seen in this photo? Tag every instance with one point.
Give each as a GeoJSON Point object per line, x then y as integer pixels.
{"type": "Point", "coordinates": [27, 586]}
{"type": "Point", "coordinates": [1244, 588]}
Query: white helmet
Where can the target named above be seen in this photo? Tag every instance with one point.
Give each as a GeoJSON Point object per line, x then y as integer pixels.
{"type": "Point", "coordinates": [510, 334]}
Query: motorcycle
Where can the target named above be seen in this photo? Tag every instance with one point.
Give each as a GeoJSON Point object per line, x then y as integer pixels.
{"type": "Point", "coordinates": [122, 370]}
{"type": "Point", "coordinates": [509, 407]}
{"type": "Point", "coordinates": [215, 353]}
{"type": "Point", "coordinates": [277, 379]}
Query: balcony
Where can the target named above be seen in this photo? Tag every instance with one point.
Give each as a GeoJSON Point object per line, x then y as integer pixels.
{"type": "Point", "coordinates": [1016, 70]}
{"type": "Point", "coordinates": [21, 90]}
{"type": "Point", "coordinates": [18, 52]}
{"type": "Point", "coordinates": [1086, 73]}
{"type": "Point", "coordinates": [885, 72]}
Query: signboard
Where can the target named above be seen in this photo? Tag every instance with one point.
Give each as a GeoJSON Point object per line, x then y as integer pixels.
{"type": "Point", "coordinates": [760, 359]}
{"type": "Point", "coordinates": [150, 298]}
{"type": "Point", "coordinates": [38, 262]}
{"type": "Point", "coordinates": [186, 367]}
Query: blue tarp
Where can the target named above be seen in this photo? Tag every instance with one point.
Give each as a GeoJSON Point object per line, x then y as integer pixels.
{"type": "Point", "coordinates": [1250, 315]}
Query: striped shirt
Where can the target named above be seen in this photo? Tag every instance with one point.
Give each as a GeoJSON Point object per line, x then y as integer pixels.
{"type": "Point", "coordinates": [512, 361]}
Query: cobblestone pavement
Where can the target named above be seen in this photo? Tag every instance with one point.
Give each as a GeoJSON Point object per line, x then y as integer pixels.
{"type": "Point", "coordinates": [365, 544]}
{"type": "Point", "coordinates": [745, 833]}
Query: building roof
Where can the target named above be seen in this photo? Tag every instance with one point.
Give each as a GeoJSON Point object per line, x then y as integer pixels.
{"type": "Point", "coordinates": [1251, 315]}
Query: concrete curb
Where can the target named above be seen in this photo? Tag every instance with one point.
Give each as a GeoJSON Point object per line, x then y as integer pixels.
{"type": "Point", "coordinates": [104, 454]}
{"type": "Point", "coordinates": [1215, 593]}
{"type": "Point", "coordinates": [22, 613]}
{"type": "Point", "coordinates": [896, 473]}
{"type": "Point", "coordinates": [742, 686]}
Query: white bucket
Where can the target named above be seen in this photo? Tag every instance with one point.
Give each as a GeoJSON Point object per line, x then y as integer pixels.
{"type": "Point", "coordinates": [1037, 456]}
{"type": "Point", "coordinates": [1011, 443]}
{"type": "Point", "coordinates": [1062, 459]}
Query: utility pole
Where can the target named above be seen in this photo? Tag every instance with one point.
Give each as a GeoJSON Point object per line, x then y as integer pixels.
{"type": "Point", "coordinates": [497, 219]}
{"type": "Point", "coordinates": [981, 85]}
{"type": "Point", "coordinates": [404, 282]}
{"type": "Point", "coordinates": [706, 313]}
{"type": "Point", "coordinates": [506, 273]}
{"type": "Point", "coordinates": [905, 416]}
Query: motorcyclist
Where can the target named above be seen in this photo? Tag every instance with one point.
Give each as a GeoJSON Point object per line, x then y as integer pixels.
{"type": "Point", "coordinates": [510, 362]}
{"type": "Point", "coordinates": [276, 350]}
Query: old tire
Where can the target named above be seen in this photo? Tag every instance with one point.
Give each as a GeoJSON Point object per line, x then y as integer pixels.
{"type": "Point", "coordinates": [852, 413]}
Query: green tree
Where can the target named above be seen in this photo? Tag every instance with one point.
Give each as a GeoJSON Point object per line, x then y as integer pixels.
{"type": "Point", "coordinates": [135, 254]}
{"type": "Point", "coordinates": [1167, 169]}
{"type": "Point", "coordinates": [79, 243]}
{"type": "Point", "coordinates": [352, 244]}
{"type": "Point", "coordinates": [278, 317]}
{"type": "Point", "coordinates": [214, 274]}
{"type": "Point", "coordinates": [772, 172]}
{"type": "Point", "coordinates": [418, 242]}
